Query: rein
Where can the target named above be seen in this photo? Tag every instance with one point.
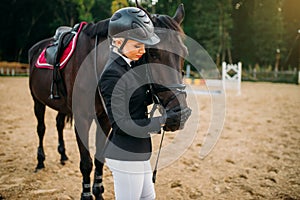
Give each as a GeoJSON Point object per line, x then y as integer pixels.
{"type": "Point", "coordinates": [95, 68]}
{"type": "Point", "coordinates": [177, 89]}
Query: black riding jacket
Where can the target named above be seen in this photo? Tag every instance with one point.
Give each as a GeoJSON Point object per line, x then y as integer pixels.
{"type": "Point", "coordinates": [126, 98]}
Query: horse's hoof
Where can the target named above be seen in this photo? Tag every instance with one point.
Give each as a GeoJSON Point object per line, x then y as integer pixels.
{"type": "Point", "coordinates": [39, 167]}
{"type": "Point", "coordinates": [86, 196]}
{"type": "Point", "coordinates": [62, 162]}
{"type": "Point", "coordinates": [99, 197]}
{"type": "Point", "coordinates": [63, 159]}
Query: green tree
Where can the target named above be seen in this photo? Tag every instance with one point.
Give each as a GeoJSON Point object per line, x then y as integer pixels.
{"type": "Point", "coordinates": [65, 12]}
{"type": "Point", "coordinates": [291, 18]}
{"type": "Point", "coordinates": [267, 24]}
{"type": "Point", "coordinates": [28, 21]}
{"type": "Point", "coordinates": [118, 4]}
{"type": "Point", "coordinates": [84, 9]}
{"type": "Point", "coordinates": [101, 10]}
{"type": "Point", "coordinates": [242, 32]}
{"type": "Point", "coordinates": [167, 7]}
{"type": "Point", "coordinates": [210, 23]}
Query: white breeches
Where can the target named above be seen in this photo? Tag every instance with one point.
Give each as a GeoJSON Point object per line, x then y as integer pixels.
{"type": "Point", "coordinates": [132, 179]}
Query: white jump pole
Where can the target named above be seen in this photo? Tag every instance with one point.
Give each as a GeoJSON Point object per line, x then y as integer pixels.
{"type": "Point", "coordinates": [188, 71]}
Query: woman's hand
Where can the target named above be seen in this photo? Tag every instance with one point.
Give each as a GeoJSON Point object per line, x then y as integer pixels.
{"type": "Point", "coordinates": [175, 120]}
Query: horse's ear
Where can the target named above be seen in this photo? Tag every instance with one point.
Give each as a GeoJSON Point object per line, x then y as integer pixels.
{"type": "Point", "coordinates": [179, 15]}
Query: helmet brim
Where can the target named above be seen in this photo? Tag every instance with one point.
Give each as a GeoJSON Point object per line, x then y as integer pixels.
{"type": "Point", "coordinates": [153, 40]}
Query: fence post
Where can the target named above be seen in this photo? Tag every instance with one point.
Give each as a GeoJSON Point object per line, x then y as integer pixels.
{"type": "Point", "coordinates": [231, 81]}
{"type": "Point", "coordinates": [224, 72]}
{"type": "Point", "coordinates": [254, 73]}
{"type": "Point", "coordinates": [188, 71]}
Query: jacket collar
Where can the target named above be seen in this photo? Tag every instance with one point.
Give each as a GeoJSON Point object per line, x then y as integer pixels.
{"type": "Point", "coordinates": [119, 59]}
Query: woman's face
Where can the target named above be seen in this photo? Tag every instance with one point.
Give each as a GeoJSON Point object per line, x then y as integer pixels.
{"type": "Point", "coordinates": [133, 50]}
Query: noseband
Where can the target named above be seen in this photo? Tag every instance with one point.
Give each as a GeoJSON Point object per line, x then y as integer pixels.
{"type": "Point", "coordinates": [176, 89]}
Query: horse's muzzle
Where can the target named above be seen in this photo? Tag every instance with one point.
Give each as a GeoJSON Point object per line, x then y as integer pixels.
{"type": "Point", "coordinates": [183, 116]}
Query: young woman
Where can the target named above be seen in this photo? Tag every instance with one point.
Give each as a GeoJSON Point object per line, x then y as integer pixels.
{"type": "Point", "coordinates": [126, 98]}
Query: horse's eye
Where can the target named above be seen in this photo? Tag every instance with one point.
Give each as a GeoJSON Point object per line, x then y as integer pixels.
{"type": "Point", "coordinates": [154, 55]}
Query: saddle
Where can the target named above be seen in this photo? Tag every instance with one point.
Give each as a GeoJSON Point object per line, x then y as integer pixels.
{"type": "Point", "coordinates": [63, 36]}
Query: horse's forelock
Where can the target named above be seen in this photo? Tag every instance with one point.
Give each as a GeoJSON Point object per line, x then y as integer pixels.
{"type": "Point", "coordinates": [165, 21]}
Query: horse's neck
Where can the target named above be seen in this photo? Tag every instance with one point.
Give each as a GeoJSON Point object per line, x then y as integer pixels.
{"type": "Point", "coordinates": [99, 29]}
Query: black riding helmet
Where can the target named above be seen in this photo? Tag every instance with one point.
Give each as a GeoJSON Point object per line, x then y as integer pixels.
{"type": "Point", "coordinates": [132, 23]}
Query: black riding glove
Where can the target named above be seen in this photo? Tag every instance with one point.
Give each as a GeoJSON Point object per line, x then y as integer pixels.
{"type": "Point", "coordinates": [175, 120]}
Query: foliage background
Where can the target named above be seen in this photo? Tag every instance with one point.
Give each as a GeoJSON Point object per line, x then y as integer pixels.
{"type": "Point", "coordinates": [251, 31]}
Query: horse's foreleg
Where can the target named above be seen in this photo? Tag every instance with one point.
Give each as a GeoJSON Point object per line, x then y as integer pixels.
{"type": "Point", "coordinates": [86, 164]}
{"type": "Point", "coordinates": [101, 135]}
{"type": "Point", "coordinates": [39, 111]}
{"type": "Point", "coordinates": [60, 124]}
{"type": "Point", "coordinates": [98, 188]}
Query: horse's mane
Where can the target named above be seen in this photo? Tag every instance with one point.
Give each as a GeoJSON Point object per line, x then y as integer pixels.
{"type": "Point", "coordinates": [100, 28]}
{"type": "Point", "coordinates": [165, 21]}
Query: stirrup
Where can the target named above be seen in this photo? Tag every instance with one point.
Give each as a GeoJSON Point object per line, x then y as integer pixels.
{"type": "Point", "coordinates": [52, 95]}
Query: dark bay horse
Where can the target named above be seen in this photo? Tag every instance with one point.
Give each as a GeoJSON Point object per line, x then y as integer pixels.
{"type": "Point", "coordinates": [81, 98]}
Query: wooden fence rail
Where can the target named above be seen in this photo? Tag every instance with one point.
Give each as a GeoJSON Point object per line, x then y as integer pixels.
{"type": "Point", "coordinates": [14, 69]}
{"type": "Point", "coordinates": [292, 76]}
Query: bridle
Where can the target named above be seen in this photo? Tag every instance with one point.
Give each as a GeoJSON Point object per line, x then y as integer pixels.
{"type": "Point", "coordinates": [176, 88]}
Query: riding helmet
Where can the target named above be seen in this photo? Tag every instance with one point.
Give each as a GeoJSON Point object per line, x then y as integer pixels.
{"type": "Point", "coordinates": [133, 23]}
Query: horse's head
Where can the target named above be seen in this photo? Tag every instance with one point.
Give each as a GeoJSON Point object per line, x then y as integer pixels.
{"type": "Point", "coordinates": [166, 64]}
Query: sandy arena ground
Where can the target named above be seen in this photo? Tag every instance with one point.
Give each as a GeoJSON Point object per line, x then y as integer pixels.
{"type": "Point", "coordinates": [256, 157]}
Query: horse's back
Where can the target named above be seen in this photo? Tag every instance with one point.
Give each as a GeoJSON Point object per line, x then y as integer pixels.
{"type": "Point", "coordinates": [80, 71]}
